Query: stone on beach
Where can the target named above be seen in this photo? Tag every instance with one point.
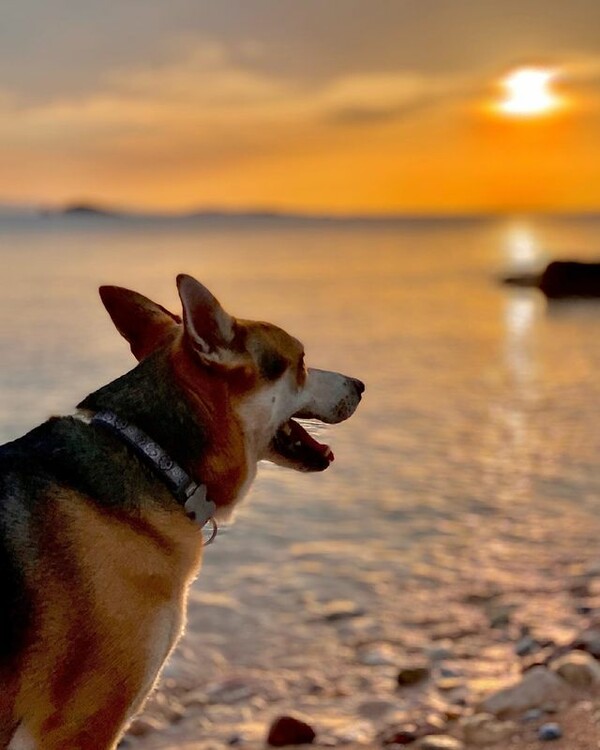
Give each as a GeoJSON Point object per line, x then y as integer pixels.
{"type": "Point", "coordinates": [578, 669]}
{"type": "Point", "coordinates": [485, 729]}
{"type": "Point", "coordinates": [439, 742]}
{"type": "Point", "coordinates": [289, 730]}
{"type": "Point", "coordinates": [403, 734]}
{"type": "Point", "coordinates": [550, 731]}
{"type": "Point", "coordinates": [412, 674]}
{"type": "Point", "coordinates": [537, 686]}
{"type": "Point", "coordinates": [589, 641]}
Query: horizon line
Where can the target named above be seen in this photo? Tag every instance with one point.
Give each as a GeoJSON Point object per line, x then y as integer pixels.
{"type": "Point", "coordinates": [85, 208]}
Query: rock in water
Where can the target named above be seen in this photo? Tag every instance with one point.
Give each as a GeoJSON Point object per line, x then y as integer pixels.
{"type": "Point", "coordinates": [537, 686]}
{"type": "Point", "coordinates": [578, 669]}
{"type": "Point", "coordinates": [288, 730]}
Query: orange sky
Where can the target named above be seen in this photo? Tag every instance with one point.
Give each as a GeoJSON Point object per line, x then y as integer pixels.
{"type": "Point", "coordinates": [377, 107]}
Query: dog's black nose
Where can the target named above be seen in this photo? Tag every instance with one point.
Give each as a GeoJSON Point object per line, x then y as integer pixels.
{"type": "Point", "coordinates": [359, 385]}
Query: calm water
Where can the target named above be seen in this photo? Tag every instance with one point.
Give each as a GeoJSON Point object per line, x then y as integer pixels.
{"type": "Point", "coordinates": [475, 453]}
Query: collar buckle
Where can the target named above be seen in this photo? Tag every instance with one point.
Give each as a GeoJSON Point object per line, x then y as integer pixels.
{"type": "Point", "coordinates": [199, 508]}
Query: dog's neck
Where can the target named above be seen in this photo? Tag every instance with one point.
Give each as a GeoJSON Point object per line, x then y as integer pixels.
{"type": "Point", "coordinates": [154, 398]}
{"type": "Point", "coordinates": [148, 397]}
{"type": "Point", "coordinates": [187, 492]}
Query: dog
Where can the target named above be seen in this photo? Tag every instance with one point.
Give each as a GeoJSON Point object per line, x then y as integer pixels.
{"type": "Point", "coordinates": [101, 512]}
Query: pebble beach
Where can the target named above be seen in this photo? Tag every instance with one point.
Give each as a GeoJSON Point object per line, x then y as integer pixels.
{"type": "Point", "coordinates": [486, 666]}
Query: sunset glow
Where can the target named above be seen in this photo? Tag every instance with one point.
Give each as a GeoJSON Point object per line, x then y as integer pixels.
{"type": "Point", "coordinates": [302, 107]}
{"type": "Point", "coordinates": [529, 93]}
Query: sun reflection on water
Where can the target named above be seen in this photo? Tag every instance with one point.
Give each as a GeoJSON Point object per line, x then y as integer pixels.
{"type": "Point", "coordinates": [522, 248]}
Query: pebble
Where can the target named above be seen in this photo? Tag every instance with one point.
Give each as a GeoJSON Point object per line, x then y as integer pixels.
{"type": "Point", "coordinates": [485, 729]}
{"type": "Point", "coordinates": [288, 730]}
{"type": "Point", "coordinates": [499, 615]}
{"type": "Point", "coordinates": [446, 684]}
{"type": "Point", "coordinates": [589, 641]}
{"type": "Point", "coordinates": [439, 742]}
{"type": "Point", "coordinates": [399, 735]}
{"type": "Point", "coordinates": [379, 656]}
{"type": "Point", "coordinates": [412, 675]}
{"type": "Point", "coordinates": [375, 709]}
{"type": "Point", "coordinates": [550, 731]}
{"type": "Point", "coordinates": [526, 645]}
{"type": "Point", "coordinates": [449, 672]}
{"type": "Point", "coordinates": [440, 653]}
{"type": "Point", "coordinates": [578, 669]}
{"type": "Point", "coordinates": [341, 610]}
{"type": "Point", "coordinates": [537, 686]}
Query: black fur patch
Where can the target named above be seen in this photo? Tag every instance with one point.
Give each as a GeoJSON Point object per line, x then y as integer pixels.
{"type": "Point", "coordinates": [15, 603]}
{"type": "Point", "coordinates": [272, 365]}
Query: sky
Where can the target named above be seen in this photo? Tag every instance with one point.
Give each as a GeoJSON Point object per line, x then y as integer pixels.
{"type": "Point", "coordinates": [334, 106]}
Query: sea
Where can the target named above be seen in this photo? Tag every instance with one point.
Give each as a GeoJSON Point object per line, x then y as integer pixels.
{"type": "Point", "coordinates": [472, 462]}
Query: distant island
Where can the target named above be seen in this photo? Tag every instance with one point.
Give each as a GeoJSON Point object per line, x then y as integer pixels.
{"type": "Point", "coordinates": [82, 210]}
{"type": "Point", "coordinates": [89, 210]}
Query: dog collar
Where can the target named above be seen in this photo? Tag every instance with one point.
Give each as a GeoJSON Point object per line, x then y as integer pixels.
{"type": "Point", "coordinates": [186, 491]}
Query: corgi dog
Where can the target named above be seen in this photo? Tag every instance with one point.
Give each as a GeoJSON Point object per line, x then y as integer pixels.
{"type": "Point", "coordinates": [101, 512]}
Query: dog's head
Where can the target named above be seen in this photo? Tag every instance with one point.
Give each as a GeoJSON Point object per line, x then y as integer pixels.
{"type": "Point", "coordinates": [257, 367]}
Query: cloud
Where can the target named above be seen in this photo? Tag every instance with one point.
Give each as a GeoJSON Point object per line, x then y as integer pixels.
{"type": "Point", "coordinates": [206, 75]}
{"type": "Point", "coordinates": [381, 97]}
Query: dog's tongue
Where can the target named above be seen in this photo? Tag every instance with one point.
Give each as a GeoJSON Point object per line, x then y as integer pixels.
{"type": "Point", "coordinates": [298, 433]}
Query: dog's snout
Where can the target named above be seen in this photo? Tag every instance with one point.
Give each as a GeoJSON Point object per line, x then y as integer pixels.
{"type": "Point", "coordinates": [359, 385]}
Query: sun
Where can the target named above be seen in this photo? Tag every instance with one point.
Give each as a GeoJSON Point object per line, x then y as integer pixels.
{"type": "Point", "coordinates": [528, 93]}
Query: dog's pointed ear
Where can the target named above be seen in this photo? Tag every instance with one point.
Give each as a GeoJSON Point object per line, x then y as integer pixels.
{"type": "Point", "coordinates": [145, 324]}
{"type": "Point", "coordinates": [210, 329]}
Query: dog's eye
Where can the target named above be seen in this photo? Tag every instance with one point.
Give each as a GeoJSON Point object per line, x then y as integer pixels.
{"type": "Point", "coordinates": [272, 365]}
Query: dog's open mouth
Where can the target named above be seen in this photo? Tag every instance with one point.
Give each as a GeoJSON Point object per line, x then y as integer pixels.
{"type": "Point", "coordinates": [298, 449]}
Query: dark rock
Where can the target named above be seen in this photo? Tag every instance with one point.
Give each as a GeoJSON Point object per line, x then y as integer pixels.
{"type": "Point", "coordinates": [571, 279]}
{"type": "Point", "coordinates": [399, 734]}
{"type": "Point", "coordinates": [341, 610]}
{"type": "Point", "coordinates": [550, 731]}
{"type": "Point", "coordinates": [288, 730]}
{"type": "Point", "coordinates": [412, 675]}
{"type": "Point", "coordinates": [562, 278]}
